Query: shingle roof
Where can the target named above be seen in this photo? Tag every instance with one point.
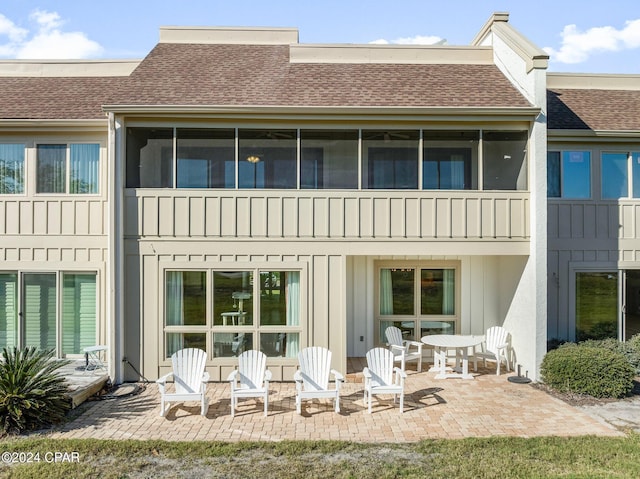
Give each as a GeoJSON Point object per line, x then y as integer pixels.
{"type": "Point", "coordinates": [78, 98]}
{"type": "Point", "coordinates": [256, 75]}
{"type": "Point", "coordinates": [241, 75]}
{"type": "Point", "coordinates": [580, 109]}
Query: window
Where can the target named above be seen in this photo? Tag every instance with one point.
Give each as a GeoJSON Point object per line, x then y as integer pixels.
{"type": "Point", "coordinates": [596, 305]}
{"type": "Point", "coordinates": [614, 175]}
{"type": "Point", "coordinates": [329, 159]}
{"type": "Point", "coordinates": [267, 159]}
{"type": "Point", "coordinates": [79, 315]}
{"type": "Point", "coordinates": [418, 299]}
{"type": "Point", "coordinates": [569, 174]}
{"type": "Point", "coordinates": [251, 309]}
{"type": "Point", "coordinates": [450, 160]}
{"type": "Point", "coordinates": [635, 174]}
{"type": "Point", "coordinates": [68, 168]}
{"type": "Point", "coordinates": [55, 309]}
{"type": "Point", "coordinates": [8, 310]}
{"type": "Point", "coordinates": [615, 180]}
{"type": "Point", "coordinates": [11, 169]}
{"type": "Point", "coordinates": [504, 159]}
{"type": "Point", "coordinates": [390, 159]}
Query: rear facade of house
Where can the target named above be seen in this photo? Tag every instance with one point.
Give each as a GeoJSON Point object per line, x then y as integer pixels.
{"type": "Point", "coordinates": [236, 190]}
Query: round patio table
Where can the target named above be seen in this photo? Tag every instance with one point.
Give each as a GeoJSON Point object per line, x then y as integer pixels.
{"type": "Point", "coordinates": [442, 343]}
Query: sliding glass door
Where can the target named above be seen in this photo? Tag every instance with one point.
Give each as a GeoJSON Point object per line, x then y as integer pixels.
{"type": "Point", "coordinates": [607, 304]}
{"type": "Point", "coordinates": [54, 310]}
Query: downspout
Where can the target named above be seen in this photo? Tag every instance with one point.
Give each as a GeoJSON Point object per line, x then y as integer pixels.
{"type": "Point", "coordinates": [114, 270]}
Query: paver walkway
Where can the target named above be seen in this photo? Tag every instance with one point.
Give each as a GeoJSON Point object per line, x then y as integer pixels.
{"type": "Point", "coordinates": [489, 405]}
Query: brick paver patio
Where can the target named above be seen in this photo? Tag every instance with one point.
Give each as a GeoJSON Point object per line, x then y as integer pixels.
{"type": "Point", "coordinates": [489, 405]}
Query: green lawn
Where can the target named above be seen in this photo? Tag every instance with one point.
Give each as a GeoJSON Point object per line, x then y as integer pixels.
{"type": "Point", "coordinates": [581, 457]}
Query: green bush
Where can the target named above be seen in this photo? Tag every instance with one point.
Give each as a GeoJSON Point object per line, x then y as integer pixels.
{"type": "Point", "coordinates": [585, 369]}
{"type": "Point", "coordinates": [629, 349]}
{"type": "Point", "coordinates": [32, 393]}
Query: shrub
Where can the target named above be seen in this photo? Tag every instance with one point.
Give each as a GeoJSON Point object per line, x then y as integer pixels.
{"type": "Point", "coordinates": [585, 369]}
{"type": "Point", "coordinates": [32, 393]}
{"type": "Point", "coordinates": [629, 349]}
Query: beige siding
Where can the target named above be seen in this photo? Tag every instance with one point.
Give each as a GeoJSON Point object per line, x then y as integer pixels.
{"type": "Point", "coordinates": [331, 215]}
{"type": "Point", "coordinates": [53, 216]}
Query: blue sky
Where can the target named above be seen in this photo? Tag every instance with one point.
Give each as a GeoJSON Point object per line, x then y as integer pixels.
{"type": "Point", "coordinates": [580, 35]}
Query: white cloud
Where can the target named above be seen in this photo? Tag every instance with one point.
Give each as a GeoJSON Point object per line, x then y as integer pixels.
{"type": "Point", "coordinates": [577, 46]}
{"type": "Point", "coordinates": [48, 41]}
{"type": "Point", "coordinates": [417, 40]}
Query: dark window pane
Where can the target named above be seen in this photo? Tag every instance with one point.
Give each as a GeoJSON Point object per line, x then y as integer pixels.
{"type": "Point", "coordinates": [596, 305]}
{"type": "Point", "coordinates": [397, 291]}
{"type": "Point", "coordinates": [232, 298]}
{"type": "Point", "coordinates": [52, 169]}
{"type": "Point", "coordinates": [553, 174]}
{"type": "Point", "coordinates": [390, 159]}
{"type": "Point", "coordinates": [505, 160]}
{"type": "Point", "coordinates": [206, 158]}
{"type": "Point", "coordinates": [329, 159]}
{"type": "Point", "coordinates": [267, 159]}
{"type": "Point", "coordinates": [149, 158]}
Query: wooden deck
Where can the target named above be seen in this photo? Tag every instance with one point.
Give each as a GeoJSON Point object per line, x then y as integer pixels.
{"type": "Point", "coordinates": [82, 384]}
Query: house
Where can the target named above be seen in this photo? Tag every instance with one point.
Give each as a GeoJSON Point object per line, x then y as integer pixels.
{"type": "Point", "coordinates": [236, 189]}
{"type": "Point", "coordinates": [593, 171]}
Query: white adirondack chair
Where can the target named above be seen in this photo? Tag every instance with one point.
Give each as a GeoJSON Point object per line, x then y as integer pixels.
{"type": "Point", "coordinates": [495, 347]}
{"type": "Point", "coordinates": [381, 377]}
{"type": "Point", "coordinates": [403, 350]}
{"type": "Point", "coordinates": [251, 379]}
{"type": "Point", "coordinates": [312, 377]}
{"type": "Point", "coordinates": [190, 380]}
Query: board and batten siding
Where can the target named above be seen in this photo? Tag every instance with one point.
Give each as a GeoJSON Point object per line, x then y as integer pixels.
{"type": "Point", "coordinates": [327, 214]}
{"type": "Point", "coordinates": [589, 232]}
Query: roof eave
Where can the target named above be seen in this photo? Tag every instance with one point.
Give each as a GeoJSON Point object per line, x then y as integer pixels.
{"type": "Point", "coordinates": [162, 110]}
{"type": "Point", "coordinates": [76, 124]}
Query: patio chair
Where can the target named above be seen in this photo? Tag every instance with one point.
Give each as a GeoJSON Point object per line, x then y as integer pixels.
{"type": "Point", "coordinates": [312, 377]}
{"type": "Point", "coordinates": [495, 347]}
{"type": "Point", "coordinates": [190, 380]}
{"type": "Point", "coordinates": [403, 350]}
{"type": "Point", "coordinates": [381, 377]}
{"type": "Point", "coordinates": [250, 379]}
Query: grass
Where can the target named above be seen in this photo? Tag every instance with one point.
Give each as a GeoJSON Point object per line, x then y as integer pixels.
{"type": "Point", "coordinates": [507, 457]}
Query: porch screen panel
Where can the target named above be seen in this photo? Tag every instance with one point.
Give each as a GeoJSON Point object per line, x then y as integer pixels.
{"type": "Point", "coordinates": [39, 290]}
{"type": "Point", "coordinates": [149, 158]}
{"type": "Point", "coordinates": [329, 159]}
{"type": "Point", "coordinates": [51, 169]}
{"type": "Point", "coordinates": [11, 169]}
{"type": "Point", "coordinates": [206, 158]}
{"type": "Point", "coordinates": [505, 160]}
{"type": "Point", "coordinates": [8, 310]}
{"type": "Point", "coordinates": [79, 313]}
{"type": "Point", "coordinates": [84, 168]}
{"type": "Point", "coordinates": [390, 159]}
{"type": "Point", "coordinates": [450, 159]}
{"type": "Point", "coordinates": [267, 159]}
